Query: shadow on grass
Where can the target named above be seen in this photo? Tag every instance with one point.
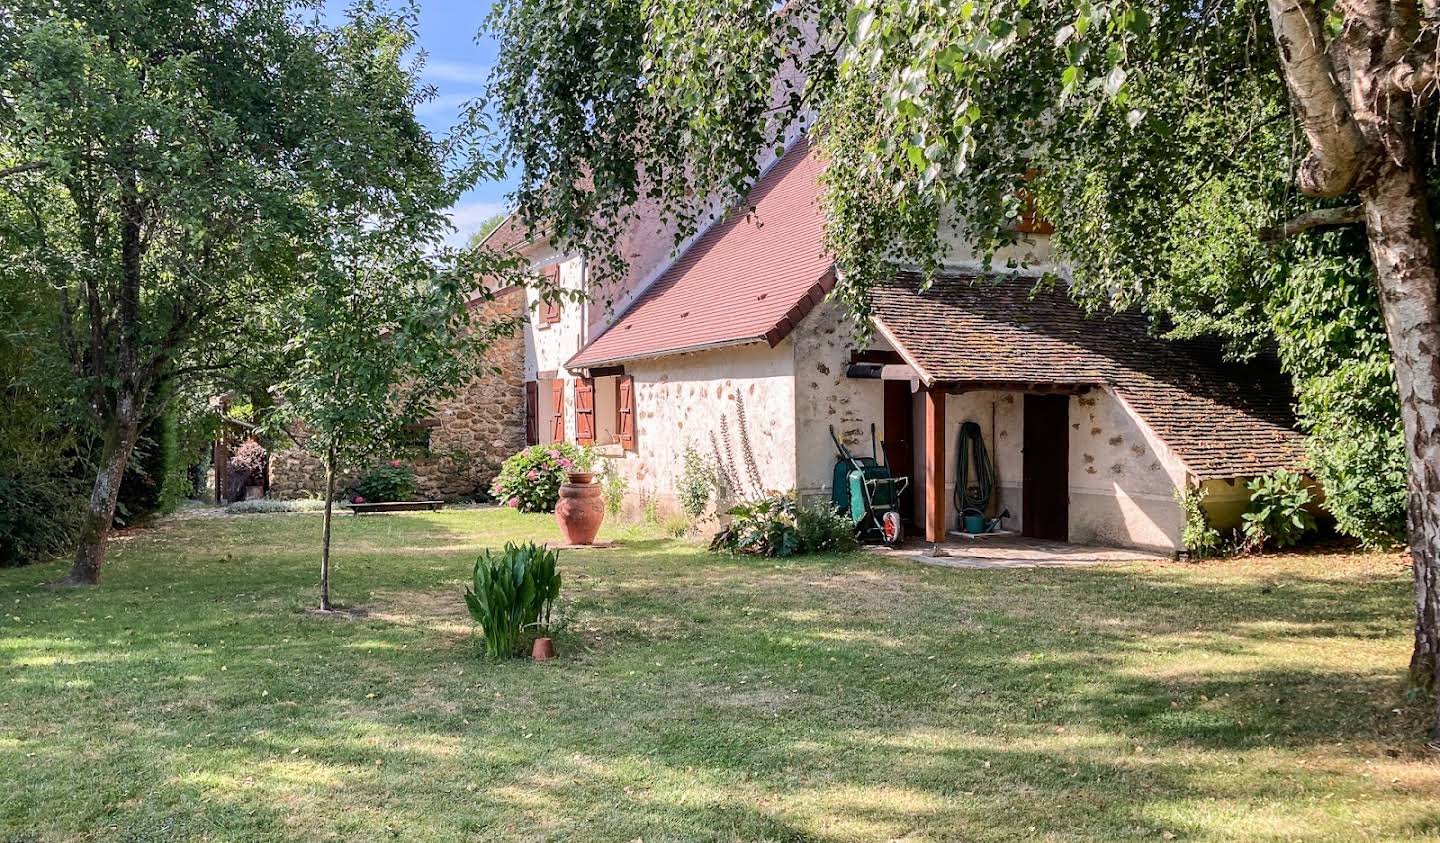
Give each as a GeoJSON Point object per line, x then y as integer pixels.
{"type": "Point", "coordinates": [710, 698]}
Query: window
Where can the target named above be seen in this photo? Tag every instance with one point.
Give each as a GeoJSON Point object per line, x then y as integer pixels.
{"type": "Point", "coordinates": [415, 437]}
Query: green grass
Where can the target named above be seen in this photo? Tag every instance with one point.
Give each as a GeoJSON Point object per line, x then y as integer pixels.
{"type": "Point", "coordinates": [701, 698]}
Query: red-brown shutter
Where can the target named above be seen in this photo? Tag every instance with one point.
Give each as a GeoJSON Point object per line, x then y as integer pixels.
{"type": "Point", "coordinates": [625, 413]}
{"type": "Point", "coordinates": [585, 411]}
{"type": "Point", "coordinates": [551, 313]}
{"type": "Point", "coordinates": [557, 410]}
{"type": "Point", "coordinates": [532, 413]}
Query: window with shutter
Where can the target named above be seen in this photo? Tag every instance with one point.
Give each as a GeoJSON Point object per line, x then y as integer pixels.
{"type": "Point", "coordinates": [550, 310]}
{"type": "Point", "coordinates": [585, 411]}
{"type": "Point", "coordinates": [532, 412]}
{"type": "Point", "coordinates": [625, 413]}
{"type": "Point", "coordinates": [557, 410]}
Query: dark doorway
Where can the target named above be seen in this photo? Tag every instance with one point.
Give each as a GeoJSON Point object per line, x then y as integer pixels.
{"type": "Point", "coordinates": [1045, 499]}
{"type": "Point", "coordinates": [899, 437]}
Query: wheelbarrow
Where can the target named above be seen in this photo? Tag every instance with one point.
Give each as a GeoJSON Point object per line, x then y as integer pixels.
{"type": "Point", "coordinates": [864, 489]}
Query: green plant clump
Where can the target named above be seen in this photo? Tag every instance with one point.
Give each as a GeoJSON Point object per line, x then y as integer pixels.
{"type": "Point", "coordinates": [512, 595]}
{"type": "Point", "coordinates": [1276, 515]}
{"type": "Point", "coordinates": [697, 484]}
{"type": "Point", "coordinates": [1200, 539]}
{"type": "Point", "coordinates": [614, 486]}
{"type": "Point", "coordinates": [388, 481]}
{"type": "Point", "coordinates": [778, 525]}
{"type": "Point", "coordinates": [530, 480]}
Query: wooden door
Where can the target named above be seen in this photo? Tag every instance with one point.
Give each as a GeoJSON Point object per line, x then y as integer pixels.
{"type": "Point", "coordinates": [1045, 499]}
{"type": "Point", "coordinates": [900, 434]}
{"type": "Point", "coordinates": [532, 413]}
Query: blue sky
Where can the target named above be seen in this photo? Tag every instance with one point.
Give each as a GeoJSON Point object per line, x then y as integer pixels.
{"type": "Point", "coordinates": [457, 62]}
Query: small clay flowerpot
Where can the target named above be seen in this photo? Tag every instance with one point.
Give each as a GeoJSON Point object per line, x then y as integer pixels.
{"type": "Point", "coordinates": [580, 510]}
{"type": "Point", "coordinates": [543, 651]}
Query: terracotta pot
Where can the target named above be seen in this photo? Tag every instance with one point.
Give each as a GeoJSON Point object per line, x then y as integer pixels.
{"type": "Point", "coordinates": [580, 511]}
{"type": "Point", "coordinates": [581, 477]}
{"type": "Point", "coordinates": [543, 651]}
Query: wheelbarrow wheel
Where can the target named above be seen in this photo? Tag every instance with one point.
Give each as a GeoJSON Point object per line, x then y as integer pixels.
{"type": "Point", "coordinates": [892, 529]}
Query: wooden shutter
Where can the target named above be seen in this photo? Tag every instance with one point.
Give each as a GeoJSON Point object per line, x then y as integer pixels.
{"type": "Point", "coordinates": [585, 411]}
{"type": "Point", "coordinates": [532, 413]}
{"type": "Point", "coordinates": [557, 410]}
{"type": "Point", "coordinates": [551, 309]}
{"type": "Point", "coordinates": [625, 413]}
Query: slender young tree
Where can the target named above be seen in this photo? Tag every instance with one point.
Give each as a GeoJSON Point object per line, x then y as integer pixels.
{"type": "Point", "coordinates": [1191, 155]}
{"type": "Point", "coordinates": [182, 163]}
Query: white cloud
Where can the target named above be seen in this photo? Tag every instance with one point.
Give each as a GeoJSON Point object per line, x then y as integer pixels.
{"type": "Point", "coordinates": [444, 105]}
{"type": "Point", "coordinates": [454, 71]}
{"type": "Point", "coordinates": [467, 216]}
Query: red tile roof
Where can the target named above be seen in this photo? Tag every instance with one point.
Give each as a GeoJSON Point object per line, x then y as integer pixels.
{"type": "Point", "coordinates": [1222, 419]}
{"type": "Point", "coordinates": [749, 278]}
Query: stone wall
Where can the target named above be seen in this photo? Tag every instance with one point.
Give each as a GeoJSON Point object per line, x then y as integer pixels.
{"type": "Point", "coordinates": [470, 434]}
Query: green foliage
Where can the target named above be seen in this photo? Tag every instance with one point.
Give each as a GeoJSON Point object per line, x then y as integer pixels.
{"type": "Point", "coordinates": [154, 463]}
{"type": "Point", "coordinates": [513, 593]}
{"type": "Point", "coordinates": [1200, 539]}
{"type": "Point", "coordinates": [388, 481]}
{"type": "Point", "coordinates": [39, 510]}
{"type": "Point", "coordinates": [698, 478]}
{"type": "Point", "coordinates": [1276, 515]}
{"type": "Point", "coordinates": [778, 526]}
{"type": "Point", "coordinates": [262, 506]}
{"type": "Point", "coordinates": [613, 485]}
{"type": "Point", "coordinates": [530, 480]}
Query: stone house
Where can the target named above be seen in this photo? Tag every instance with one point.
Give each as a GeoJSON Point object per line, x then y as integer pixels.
{"type": "Point", "coordinates": [729, 347]}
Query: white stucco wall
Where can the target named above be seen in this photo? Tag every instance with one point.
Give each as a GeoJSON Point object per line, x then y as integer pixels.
{"type": "Point", "coordinates": [682, 399]}
{"type": "Point", "coordinates": [825, 396]}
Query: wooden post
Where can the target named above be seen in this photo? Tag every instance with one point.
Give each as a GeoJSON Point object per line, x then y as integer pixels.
{"type": "Point", "coordinates": [934, 465]}
{"type": "Point", "coordinates": [221, 466]}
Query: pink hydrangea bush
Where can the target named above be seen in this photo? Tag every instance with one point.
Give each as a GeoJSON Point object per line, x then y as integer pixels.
{"type": "Point", "coordinates": [530, 480]}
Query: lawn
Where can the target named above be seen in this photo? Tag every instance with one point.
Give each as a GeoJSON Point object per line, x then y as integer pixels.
{"type": "Point", "coordinates": [702, 698]}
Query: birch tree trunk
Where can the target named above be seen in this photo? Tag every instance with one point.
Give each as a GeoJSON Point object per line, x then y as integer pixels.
{"type": "Point", "coordinates": [118, 441]}
{"type": "Point", "coordinates": [1402, 245]}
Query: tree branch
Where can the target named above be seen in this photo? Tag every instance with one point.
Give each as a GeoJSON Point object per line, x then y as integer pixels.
{"type": "Point", "coordinates": [27, 167]}
{"type": "Point", "coordinates": [1313, 219]}
{"type": "Point", "coordinates": [1338, 149]}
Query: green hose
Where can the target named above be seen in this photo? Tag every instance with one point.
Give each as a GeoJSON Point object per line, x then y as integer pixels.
{"type": "Point", "coordinates": [977, 497]}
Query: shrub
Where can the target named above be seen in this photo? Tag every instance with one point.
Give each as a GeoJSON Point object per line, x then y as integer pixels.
{"type": "Point", "coordinates": [152, 463]}
{"type": "Point", "coordinates": [1276, 515]}
{"type": "Point", "coordinates": [1200, 539]}
{"type": "Point", "coordinates": [388, 481]}
{"type": "Point", "coordinates": [697, 484]}
{"type": "Point", "coordinates": [266, 505]}
{"type": "Point", "coordinates": [779, 526]}
{"type": "Point", "coordinates": [40, 508]}
{"type": "Point", "coordinates": [614, 486]}
{"type": "Point", "coordinates": [512, 594]}
{"type": "Point", "coordinates": [530, 480]}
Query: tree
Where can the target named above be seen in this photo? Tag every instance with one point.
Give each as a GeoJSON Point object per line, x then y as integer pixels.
{"type": "Point", "coordinates": [1157, 137]}
{"type": "Point", "coordinates": [180, 165]}
{"type": "Point", "coordinates": [487, 225]}
{"type": "Point", "coordinates": [376, 336]}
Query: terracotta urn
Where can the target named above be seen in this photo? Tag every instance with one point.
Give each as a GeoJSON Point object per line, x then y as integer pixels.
{"type": "Point", "coordinates": [581, 508]}
{"type": "Point", "coordinates": [543, 650]}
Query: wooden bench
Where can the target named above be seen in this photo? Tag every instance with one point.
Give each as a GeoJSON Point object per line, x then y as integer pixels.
{"type": "Point", "coordinates": [395, 506]}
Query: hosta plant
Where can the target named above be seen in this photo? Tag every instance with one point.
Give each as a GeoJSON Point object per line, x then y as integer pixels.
{"type": "Point", "coordinates": [512, 595]}
{"type": "Point", "coordinates": [778, 525]}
